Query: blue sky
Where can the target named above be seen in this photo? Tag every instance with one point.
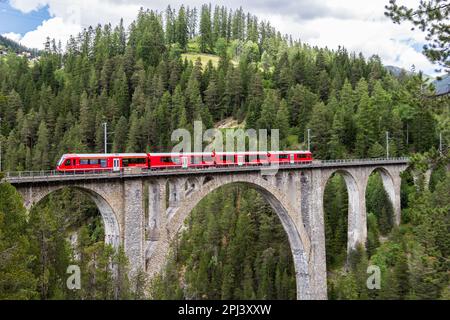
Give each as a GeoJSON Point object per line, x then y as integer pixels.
{"type": "Point", "coordinates": [14, 20]}
{"type": "Point", "coordinates": [359, 26]}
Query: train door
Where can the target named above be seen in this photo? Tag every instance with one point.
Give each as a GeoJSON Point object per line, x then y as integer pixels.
{"type": "Point", "coordinates": [291, 158]}
{"type": "Point", "coordinates": [116, 164]}
{"type": "Point", "coordinates": [184, 162]}
{"type": "Point", "coordinates": [240, 160]}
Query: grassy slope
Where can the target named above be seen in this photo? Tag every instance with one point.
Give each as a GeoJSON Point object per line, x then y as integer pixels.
{"type": "Point", "coordinates": [203, 57]}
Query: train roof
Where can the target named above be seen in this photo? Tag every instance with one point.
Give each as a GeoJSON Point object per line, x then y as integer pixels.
{"type": "Point", "coordinates": [261, 152]}
{"type": "Point", "coordinates": [104, 155]}
{"type": "Point", "coordinates": [169, 154]}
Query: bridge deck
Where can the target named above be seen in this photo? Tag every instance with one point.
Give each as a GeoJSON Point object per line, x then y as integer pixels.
{"type": "Point", "coordinates": [55, 176]}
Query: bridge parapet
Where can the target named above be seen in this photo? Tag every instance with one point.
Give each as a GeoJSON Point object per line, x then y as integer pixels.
{"type": "Point", "coordinates": [17, 177]}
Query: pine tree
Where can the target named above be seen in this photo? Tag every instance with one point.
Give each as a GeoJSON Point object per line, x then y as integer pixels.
{"type": "Point", "coordinates": [17, 279]}
{"type": "Point", "coordinates": [248, 293]}
{"type": "Point", "coordinates": [234, 91]}
{"type": "Point", "coordinates": [321, 130]}
{"type": "Point", "coordinates": [72, 141]}
{"type": "Point", "coordinates": [348, 105]}
{"type": "Point", "coordinates": [12, 156]}
{"type": "Point", "coordinates": [87, 121]}
{"type": "Point", "coordinates": [282, 120]}
{"type": "Point", "coordinates": [162, 117]}
{"type": "Point", "coordinates": [337, 149]}
{"type": "Point", "coordinates": [268, 109]}
{"type": "Point", "coordinates": [301, 101]}
{"type": "Point", "coordinates": [365, 121]}
{"type": "Point", "coordinates": [376, 151]}
{"type": "Point", "coordinates": [134, 135]}
{"type": "Point", "coordinates": [120, 91]}
{"type": "Point", "coordinates": [120, 135]}
{"type": "Point", "coordinates": [99, 134]}
{"type": "Point", "coordinates": [14, 103]}
{"type": "Point", "coordinates": [373, 241]}
{"type": "Point", "coordinates": [182, 28]}
{"type": "Point", "coordinates": [41, 150]}
{"type": "Point", "coordinates": [212, 99]}
{"type": "Point", "coordinates": [206, 37]}
{"type": "Point", "coordinates": [170, 26]}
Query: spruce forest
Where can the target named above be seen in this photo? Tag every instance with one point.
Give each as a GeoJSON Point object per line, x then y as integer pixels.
{"type": "Point", "coordinates": [221, 66]}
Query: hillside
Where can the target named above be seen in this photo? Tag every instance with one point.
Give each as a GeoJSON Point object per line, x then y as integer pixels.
{"type": "Point", "coordinates": [442, 85]}
{"type": "Point", "coordinates": [8, 44]}
{"type": "Point", "coordinates": [397, 71]}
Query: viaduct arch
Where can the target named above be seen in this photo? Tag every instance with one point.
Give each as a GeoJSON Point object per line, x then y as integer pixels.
{"type": "Point", "coordinates": [102, 201]}
{"type": "Point", "coordinates": [292, 223]}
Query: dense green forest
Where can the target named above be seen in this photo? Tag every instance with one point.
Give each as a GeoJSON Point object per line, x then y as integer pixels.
{"type": "Point", "coordinates": [142, 84]}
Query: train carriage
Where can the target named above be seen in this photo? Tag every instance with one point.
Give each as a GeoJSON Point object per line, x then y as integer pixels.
{"type": "Point", "coordinates": [102, 162]}
{"type": "Point", "coordinates": [140, 161]}
{"type": "Point", "coordinates": [181, 160]}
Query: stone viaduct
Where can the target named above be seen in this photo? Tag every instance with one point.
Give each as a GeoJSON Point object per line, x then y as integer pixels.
{"type": "Point", "coordinates": [144, 212]}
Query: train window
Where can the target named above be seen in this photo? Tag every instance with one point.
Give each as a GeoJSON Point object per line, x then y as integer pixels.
{"type": "Point", "coordinates": [136, 160]}
{"type": "Point", "coordinates": [262, 157]}
{"type": "Point", "coordinates": [176, 160]}
{"type": "Point", "coordinates": [103, 163]}
{"type": "Point", "coordinates": [84, 161]}
{"type": "Point", "coordinates": [125, 162]}
{"type": "Point", "coordinates": [67, 163]}
{"type": "Point", "coordinates": [283, 156]}
{"type": "Point", "coordinates": [166, 159]}
{"type": "Point", "coordinates": [247, 158]}
{"type": "Point", "coordinates": [93, 161]}
{"type": "Point", "coordinates": [196, 160]}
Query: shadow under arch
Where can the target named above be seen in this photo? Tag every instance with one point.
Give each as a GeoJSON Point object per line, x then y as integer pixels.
{"type": "Point", "coordinates": [298, 239]}
{"type": "Point", "coordinates": [389, 187]}
{"type": "Point", "coordinates": [110, 222]}
{"type": "Point", "coordinates": [356, 223]}
{"type": "Point", "coordinates": [388, 181]}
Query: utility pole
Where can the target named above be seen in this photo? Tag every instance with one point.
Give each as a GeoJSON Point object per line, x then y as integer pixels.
{"type": "Point", "coordinates": [407, 134]}
{"type": "Point", "coordinates": [387, 144]}
{"type": "Point", "coordinates": [440, 145]}
{"type": "Point", "coordinates": [105, 137]}
{"type": "Point", "coordinates": [309, 139]}
{"type": "Point", "coordinates": [1, 142]}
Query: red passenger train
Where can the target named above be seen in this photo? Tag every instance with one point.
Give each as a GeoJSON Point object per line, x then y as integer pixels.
{"type": "Point", "coordinates": [139, 161]}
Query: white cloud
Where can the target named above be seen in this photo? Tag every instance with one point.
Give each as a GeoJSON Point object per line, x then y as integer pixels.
{"type": "Point", "coordinates": [70, 17]}
{"type": "Point", "coordinates": [54, 28]}
{"type": "Point", "coordinates": [13, 36]}
{"type": "Point", "coordinates": [85, 12]}
{"type": "Point", "coordinates": [357, 25]}
{"type": "Point", "coordinates": [27, 6]}
{"type": "Point", "coordinates": [370, 33]}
